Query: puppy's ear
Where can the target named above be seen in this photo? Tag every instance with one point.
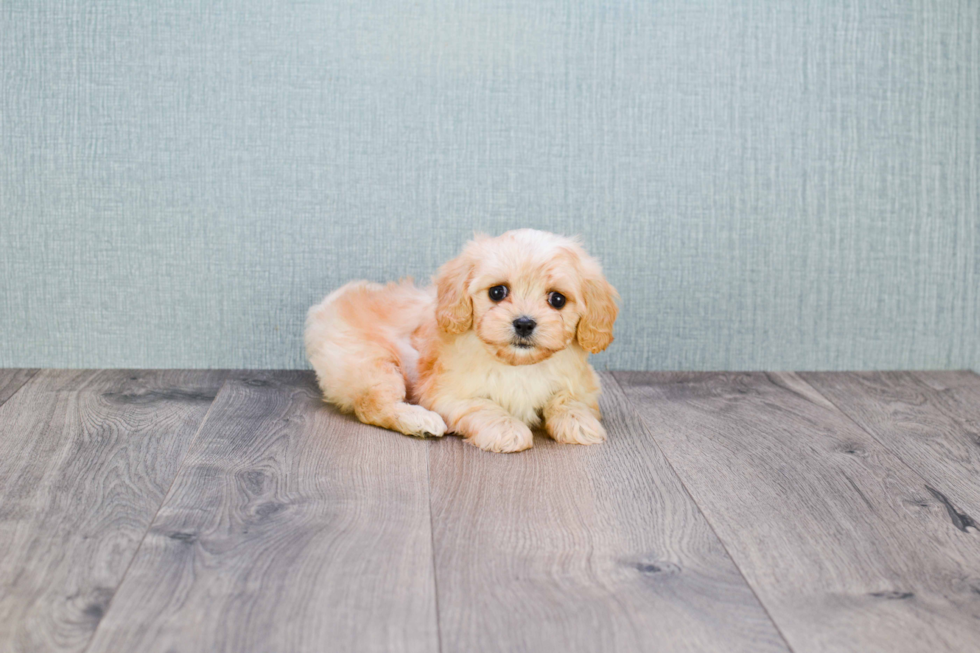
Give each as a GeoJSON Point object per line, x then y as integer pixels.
{"type": "Point", "coordinates": [454, 308]}
{"type": "Point", "coordinates": [595, 327]}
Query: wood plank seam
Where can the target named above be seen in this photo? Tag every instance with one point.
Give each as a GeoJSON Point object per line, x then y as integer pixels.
{"type": "Point", "coordinates": [173, 480]}
{"type": "Point", "coordinates": [959, 519]}
{"type": "Point", "coordinates": [432, 540]}
{"type": "Point", "coordinates": [711, 526]}
{"type": "Point", "coordinates": [30, 374]}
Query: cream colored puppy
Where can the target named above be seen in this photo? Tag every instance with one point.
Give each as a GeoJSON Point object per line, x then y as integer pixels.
{"type": "Point", "coordinates": [501, 341]}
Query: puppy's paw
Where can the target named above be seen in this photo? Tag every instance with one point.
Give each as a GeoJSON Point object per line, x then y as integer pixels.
{"type": "Point", "coordinates": [503, 436]}
{"type": "Point", "coordinates": [417, 421]}
{"type": "Point", "coordinates": [576, 426]}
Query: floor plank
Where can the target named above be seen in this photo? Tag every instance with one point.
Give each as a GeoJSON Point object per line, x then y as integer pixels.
{"type": "Point", "coordinates": [569, 548]}
{"type": "Point", "coordinates": [843, 543]}
{"type": "Point", "coordinates": [289, 528]}
{"type": "Point", "coordinates": [85, 461]}
{"type": "Point", "coordinates": [931, 420]}
{"type": "Point", "coordinates": [11, 379]}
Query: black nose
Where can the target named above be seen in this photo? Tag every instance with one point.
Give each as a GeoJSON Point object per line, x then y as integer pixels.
{"type": "Point", "coordinates": [524, 326]}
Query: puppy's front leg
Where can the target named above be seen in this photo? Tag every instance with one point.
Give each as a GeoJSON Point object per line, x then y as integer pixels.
{"type": "Point", "coordinates": [488, 426]}
{"type": "Point", "coordinates": [570, 419]}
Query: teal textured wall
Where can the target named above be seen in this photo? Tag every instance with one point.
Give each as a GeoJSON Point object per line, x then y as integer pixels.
{"type": "Point", "coordinates": [771, 184]}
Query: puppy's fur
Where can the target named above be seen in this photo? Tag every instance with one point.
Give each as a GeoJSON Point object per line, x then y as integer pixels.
{"type": "Point", "coordinates": [450, 358]}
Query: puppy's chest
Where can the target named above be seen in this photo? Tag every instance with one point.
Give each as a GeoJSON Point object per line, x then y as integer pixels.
{"type": "Point", "coordinates": [521, 390]}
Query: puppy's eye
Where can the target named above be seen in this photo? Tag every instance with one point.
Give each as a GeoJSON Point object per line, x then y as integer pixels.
{"type": "Point", "coordinates": [556, 300]}
{"type": "Point", "coordinates": [498, 293]}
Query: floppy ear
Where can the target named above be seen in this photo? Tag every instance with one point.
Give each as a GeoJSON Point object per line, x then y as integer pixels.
{"type": "Point", "coordinates": [595, 327]}
{"type": "Point", "coordinates": [454, 308]}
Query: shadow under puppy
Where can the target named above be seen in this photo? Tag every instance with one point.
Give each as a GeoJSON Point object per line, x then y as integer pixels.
{"type": "Point", "coordinates": [499, 342]}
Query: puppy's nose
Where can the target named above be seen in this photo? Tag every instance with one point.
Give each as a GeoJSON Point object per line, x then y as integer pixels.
{"type": "Point", "coordinates": [524, 326]}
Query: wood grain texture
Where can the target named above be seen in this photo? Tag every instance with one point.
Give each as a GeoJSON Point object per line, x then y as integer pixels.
{"type": "Point", "coordinates": [289, 528]}
{"type": "Point", "coordinates": [843, 543]}
{"type": "Point", "coordinates": [570, 548]}
{"type": "Point", "coordinates": [86, 459]}
{"type": "Point", "coordinates": [11, 379]}
{"type": "Point", "coordinates": [931, 420]}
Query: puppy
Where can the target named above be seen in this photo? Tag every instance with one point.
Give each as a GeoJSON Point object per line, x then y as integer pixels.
{"type": "Point", "coordinates": [500, 342]}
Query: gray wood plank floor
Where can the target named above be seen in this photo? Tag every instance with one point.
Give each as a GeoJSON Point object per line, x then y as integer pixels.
{"type": "Point", "coordinates": [216, 511]}
{"type": "Point", "coordinates": [929, 420]}
{"type": "Point", "coordinates": [289, 528]}
{"type": "Point", "coordinates": [571, 548]}
{"type": "Point", "coordinates": [85, 461]}
{"type": "Point", "coordinates": [841, 541]}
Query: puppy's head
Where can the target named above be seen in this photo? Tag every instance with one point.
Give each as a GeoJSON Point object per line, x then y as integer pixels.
{"type": "Point", "coordinates": [527, 294]}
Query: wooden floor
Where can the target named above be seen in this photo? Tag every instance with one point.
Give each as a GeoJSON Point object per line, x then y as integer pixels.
{"type": "Point", "coordinates": [233, 511]}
